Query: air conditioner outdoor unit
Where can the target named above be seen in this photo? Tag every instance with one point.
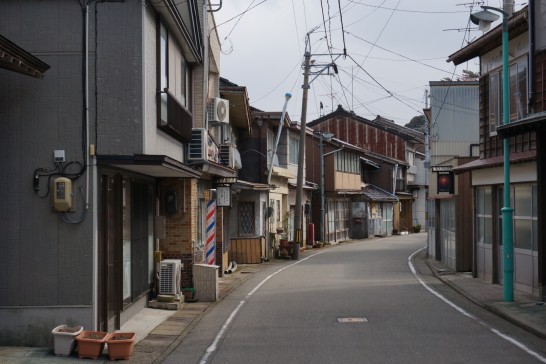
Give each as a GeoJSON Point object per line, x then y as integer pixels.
{"type": "Point", "coordinates": [227, 154]}
{"type": "Point", "coordinates": [218, 110]}
{"type": "Point", "coordinates": [198, 146]}
{"type": "Point", "coordinates": [170, 276]}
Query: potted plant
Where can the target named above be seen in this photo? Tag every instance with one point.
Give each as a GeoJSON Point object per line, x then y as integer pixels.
{"type": "Point", "coordinates": [64, 339]}
{"type": "Point", "coordinates": [90, 344]}
{"type": "Point", "coordinates": [120, 345]}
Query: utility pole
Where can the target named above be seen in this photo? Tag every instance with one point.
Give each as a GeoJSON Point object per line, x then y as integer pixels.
{"type": "Point", "coordinates": [299, 188]}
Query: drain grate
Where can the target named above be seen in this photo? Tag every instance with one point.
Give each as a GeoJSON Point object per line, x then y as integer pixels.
{"type": "Point", "coordinates": [344, 320]}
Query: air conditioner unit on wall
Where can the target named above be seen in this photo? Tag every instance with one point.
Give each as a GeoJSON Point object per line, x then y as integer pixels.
{"type": "Point", "coordinates": [198, 146]}
{"type": "Point", "coordinates": [227, 155]}
{"type": "Point", "coordinates": [170, 276]}
{"type": "Point", "coordinates": [218, 110]}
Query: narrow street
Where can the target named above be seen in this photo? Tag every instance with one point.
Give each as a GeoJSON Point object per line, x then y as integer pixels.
{"type": "Point", "coordinates": [358, 302]}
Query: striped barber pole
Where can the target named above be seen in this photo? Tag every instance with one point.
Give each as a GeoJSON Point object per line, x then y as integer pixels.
{"type": "Point", "coordinates": [210, 246]}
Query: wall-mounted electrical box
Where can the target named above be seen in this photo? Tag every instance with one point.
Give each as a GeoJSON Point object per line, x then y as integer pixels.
{"type": "Point", "coordinates": [58, 156]}
{"type": "Point", "coordinates": [62, 194]}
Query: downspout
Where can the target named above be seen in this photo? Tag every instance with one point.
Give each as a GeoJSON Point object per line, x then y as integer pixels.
{"type": "Point", "coordinates": [531, 59]}
{"type": "Point", "coordinates": [86, 159]}
{"type": "Point", "coordinates": [205, 63]}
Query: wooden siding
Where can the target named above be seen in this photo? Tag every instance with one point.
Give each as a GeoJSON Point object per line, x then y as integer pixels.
{"type": "Point", "coordinates": [366, 136]}
{"type": "Point", "coordinates": [247, 250]}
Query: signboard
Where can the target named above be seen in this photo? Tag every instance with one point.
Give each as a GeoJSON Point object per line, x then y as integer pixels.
{"type": "Point", "coordinates": [223, 196]}
{"type": "Point", "coordinates": [446, 182]}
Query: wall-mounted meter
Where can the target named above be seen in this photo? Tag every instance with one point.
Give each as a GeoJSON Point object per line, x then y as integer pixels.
{"type": "Point", "coordinates": [62, 194]}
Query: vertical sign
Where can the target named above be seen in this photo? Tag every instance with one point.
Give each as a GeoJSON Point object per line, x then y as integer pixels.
{"type": "Point", "coordinates": [210, 247]}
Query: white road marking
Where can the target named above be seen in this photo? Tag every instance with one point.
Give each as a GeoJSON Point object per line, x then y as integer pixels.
{"type": "Point", "coordinates": [214, 346]}
{"type": "Point", "coordinates": [467, 314]}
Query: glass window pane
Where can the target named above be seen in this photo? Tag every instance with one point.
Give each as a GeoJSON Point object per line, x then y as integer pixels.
{"type": "Point", "coordinates": [246, 218]}
{"type": "Point", "coordinates": [488, 230]}
{"type": "Point", "coordinates": [535, 235]}
{"type": "Point", "coordinates": [513, 91]}
{"type": "Point", "coordinates": [480, 230]}
{"type": "Point", "coordinates": [494, 107]}
{"type": "Point", "coordinates": [523, 234]}
{"type": "Point", "coordinates": [487, 201]}
{"type": "Point", "coordinates": [524, 201]}
{"type": "Point", "coordinates": [521, 96]}
{"type": "Point", "coordinates": [479, 201]}
{"type": "Point", "coordinates": [535, 199]}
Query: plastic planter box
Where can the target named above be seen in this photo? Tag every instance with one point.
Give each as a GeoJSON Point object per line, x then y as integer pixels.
{"type": "Point", "coordinates": [64, 339]}
{"type": "Point", "coordinates": [91, 344]}
{"type": "Point", "coordinates": [120, 345]}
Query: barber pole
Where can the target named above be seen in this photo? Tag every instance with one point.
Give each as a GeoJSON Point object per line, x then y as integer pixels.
{"type": "Point", "coordinates": [210, 246]}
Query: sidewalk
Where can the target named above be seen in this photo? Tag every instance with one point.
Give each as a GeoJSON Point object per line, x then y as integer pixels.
{"type": "Point", "coordinates": [159, 331]}
{"type": "Point", "coordinates": [525, 311]}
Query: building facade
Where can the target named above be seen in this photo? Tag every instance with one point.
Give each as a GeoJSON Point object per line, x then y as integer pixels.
{"type": "Point", "coordinates": [122, 150]}
{"type": "Point", "coordinates": [526, 113]}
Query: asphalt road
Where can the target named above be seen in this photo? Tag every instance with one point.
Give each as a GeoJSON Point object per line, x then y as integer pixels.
{"type": "Point", "coordinates": [358, 302]}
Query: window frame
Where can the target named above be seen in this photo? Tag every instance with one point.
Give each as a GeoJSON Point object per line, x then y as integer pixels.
{"type": "Point", "coordinates": [243, 232]}
{"type": "Point", "coordinates": [515, 70]}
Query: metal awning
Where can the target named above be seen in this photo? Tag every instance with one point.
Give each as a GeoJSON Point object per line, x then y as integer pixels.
{"type": "Point", "coordinates": [530, 123]}
{"type": "Point", "coordinates": [496, 161]}
{"type": "Point", "coordinates": [149, 165]}
{"type": "Point", "coordinates": [245, 185]}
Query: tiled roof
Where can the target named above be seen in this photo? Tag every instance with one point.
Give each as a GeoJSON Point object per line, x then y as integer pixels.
{"type": "Point", "coordinates": [374, 193]}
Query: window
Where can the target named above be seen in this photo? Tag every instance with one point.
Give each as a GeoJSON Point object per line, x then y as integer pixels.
{"type": "Point", "coordinates": [174, 88]}
{"type": "Point", "coordinates": [294, 150]}
{"type": "Point", "coordinates": [518, 95]}
{"type": "Point", "coordinates": [184, 83]}
{"type": "Point", "coordinates": [246, 218]}
{"type": "Point", "coordinates": [163, 70]}
{"type": "Point", "coordinates": [525, 217]}
{"type": "Point", "coordinates": [270, 146]}
{"type": "Point", "coordinates": [484, 217]}
{"type": "Point", "coordinates": [347, 162]}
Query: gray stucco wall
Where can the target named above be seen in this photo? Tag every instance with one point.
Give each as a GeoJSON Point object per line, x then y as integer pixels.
{"type": "Point", "coordinates": [119, 78]}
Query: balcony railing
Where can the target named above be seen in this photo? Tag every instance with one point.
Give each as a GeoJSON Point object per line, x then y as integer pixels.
{"type": "Point", "coordinates": [173, 118]}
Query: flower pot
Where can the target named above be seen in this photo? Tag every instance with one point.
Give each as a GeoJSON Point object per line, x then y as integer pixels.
{"type": "Point", "coordinates": [120, 345]}
{"type": "Point", "coordinates": [90, 344]}
{"type": "Point", "coordinates": [64, 339]}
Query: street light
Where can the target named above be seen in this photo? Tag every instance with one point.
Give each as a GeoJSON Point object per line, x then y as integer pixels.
{"type": "Point", "coordinates": [323, 136]}
{"type": "Point", "coordinates": [483, 19]}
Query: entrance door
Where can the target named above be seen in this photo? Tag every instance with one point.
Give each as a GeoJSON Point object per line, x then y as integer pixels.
{"type": "Point", "coordinates": [110, 253]}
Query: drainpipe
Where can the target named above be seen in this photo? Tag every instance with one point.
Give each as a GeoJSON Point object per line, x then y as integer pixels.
{"type": "Point", "coordinates": [205, 64]}
{"type": "Point", "coordinates": [531, 59]}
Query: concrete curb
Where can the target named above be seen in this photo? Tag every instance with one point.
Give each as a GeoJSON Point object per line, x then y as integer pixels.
{"type": "Point", "coordinates": [494, 307]}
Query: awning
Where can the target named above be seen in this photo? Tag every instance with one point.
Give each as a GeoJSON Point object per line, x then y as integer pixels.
{"type": "Point", "coordinates": [518, 157]}
{"type": "Point", "coordinates": [149, 165]}
{"type": "Point", "coordinates": [404, 196]}
{"type": "Point", "coordinates": [306, 186]}
{"type": "Point", "coordinates": [376, 194]}
{"type": "Point", "coordinates": [369, 162]}
{"type": "Point", "coordinates": [218, 169]}
{"type": "Point", "coordinates": [15, 58]}
{"type": "Point", "coordinates": [245, 185]}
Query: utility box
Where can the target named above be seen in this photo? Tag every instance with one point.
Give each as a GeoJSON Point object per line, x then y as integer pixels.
{"type": "Point", "coordinates": [205, 282]}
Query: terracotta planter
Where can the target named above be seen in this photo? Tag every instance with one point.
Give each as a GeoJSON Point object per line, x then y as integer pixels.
{"type": "Point", "coordinates": [90, 344]}
{"type": "Point", "coordinates": [64, 339]}
{"type": "Point", "coordinates": [120, 345]}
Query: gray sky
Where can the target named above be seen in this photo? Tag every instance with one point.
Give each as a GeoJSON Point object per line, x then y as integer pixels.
{"type": "Point", "coordinates": [394, 48]}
